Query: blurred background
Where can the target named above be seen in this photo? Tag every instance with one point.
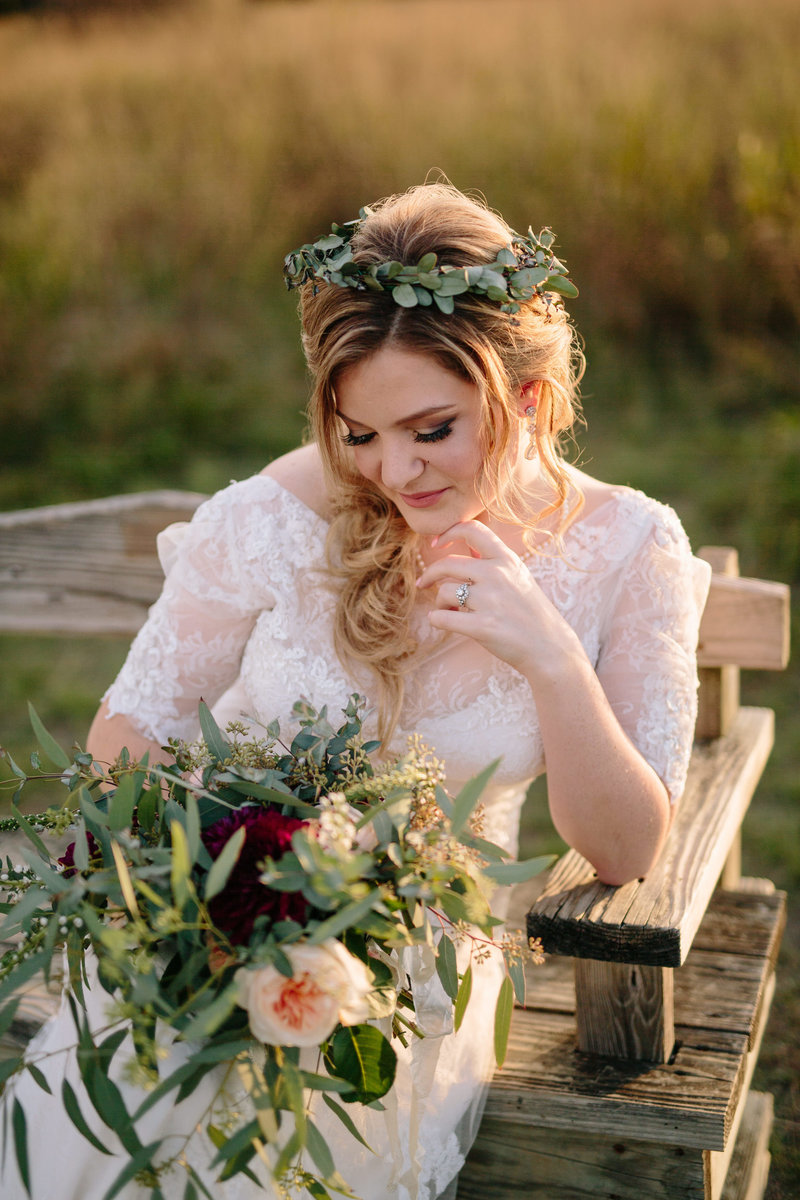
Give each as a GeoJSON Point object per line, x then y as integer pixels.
{"type": "Point", "coordinates": [158, 160]}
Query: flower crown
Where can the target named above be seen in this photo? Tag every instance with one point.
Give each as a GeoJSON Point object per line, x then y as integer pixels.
{"type": "Point", "coordinates": [525, 268]}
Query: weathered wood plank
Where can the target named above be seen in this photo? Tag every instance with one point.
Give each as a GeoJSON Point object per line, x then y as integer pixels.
{"type": "Point", "coordinates": [509, 1162]}
{"type": "Point", "coordinates": [652, 922]}
{"type": "Point", "coordinates": [746, 1178]}
{"type": "Point", "coordinates": [691, 1100]}
{"type": "Point", "coordinates": [67, 568]}
{"type": "Point", "coordinates": [624, 1010]}
{"type": "Point", "coordinates": [88, 568]}
{"type": "Point", "coordinates": [745, 622]}
{"type": "Point", "coordinates": [718, 698]}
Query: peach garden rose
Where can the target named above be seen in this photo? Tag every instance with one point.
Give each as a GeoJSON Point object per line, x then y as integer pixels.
{"type": "Point", "coordinates": [328, 987]}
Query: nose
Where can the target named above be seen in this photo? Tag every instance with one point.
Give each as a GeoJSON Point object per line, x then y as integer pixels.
{"type": "Point", "coordinates": [401, 464]}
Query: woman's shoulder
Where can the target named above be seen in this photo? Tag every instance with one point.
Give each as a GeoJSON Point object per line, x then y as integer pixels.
{"type": "Point", "coordinates": [613, 499]}
{"type": "Point", "coordinates": [626, 516]}
{"type": "Point", "coordinates": [300, 472]}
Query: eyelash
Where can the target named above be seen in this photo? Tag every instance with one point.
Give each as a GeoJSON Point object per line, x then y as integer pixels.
{"type": "Point", "coordinates": [436, 435]}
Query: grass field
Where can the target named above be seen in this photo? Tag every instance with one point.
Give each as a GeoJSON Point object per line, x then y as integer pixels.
{"type": "Point", "coordinates": [155, 169]}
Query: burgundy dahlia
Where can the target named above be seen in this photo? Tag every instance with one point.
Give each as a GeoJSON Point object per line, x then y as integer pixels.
{"type": "Point", "coordinates": [67, 859]}
{"type": "Point", "coordinates": [244, 897]}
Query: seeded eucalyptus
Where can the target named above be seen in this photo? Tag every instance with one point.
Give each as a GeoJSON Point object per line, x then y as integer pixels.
{"type": "Point", "coordinates": [525, 268]}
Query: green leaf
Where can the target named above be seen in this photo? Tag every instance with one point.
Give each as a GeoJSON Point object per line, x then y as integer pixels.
{"type": "Point", "coordinates": [444, 303]}
{"type": "Point", "coordinates": [147, 808]}
{"type": "Point", "coordinates": [462, 999]}
{"type": "Point", "coordinates": [424, 297]}
{"type": "Point", "coordinates": [346, 1120]}
{"type": "Point", "coordinates": [427, 262]}
{"type": "Point", "coordinates": [209, 1019]}
{"type": "Point", "coordinates": [502, 1020]}
{"type": "Point", "coordinates": [224, 864]}
{"type": "Point", "coordinates": [518, 872]}
{"type": "Point", "coordinates": [73, 1111]}
{"type": "Point", "coordinates": [564, 287]}
{"type": "Point", "coordinates": [469, 795]}
{"type": "Point", "coordinates": [361, 1055]}
{"type": "Point", "coordinates": [198, 1181]}
{"type": "Point", "coordinates": [25, 971]}
{"type": "Point", "coordinates": [218, 745]}
{"type": "Point", "coordinates": [39, 1078]}
{"type": "Point", "coordinates": [329, 242]}
{"type": "Point", "coordinates": [21, 1143]}
{"type": "Point", "coordinates": [453, 283]}
{"type": "Point", "coordinates": [405, 296]}
{"type": "Point", "coordinates": [48, 743]}
{"type": "Point", "coordinates": [141, 1159]}
{"type": "Point", "coordinates": [322, 1083]}
{"type": "Point", "coordinates": [350, 915]}
{"type": "Point", "coordinates": [516, 973]}
{"type": "Point", "coordinates": [8, 1067]}
{"type": "Point", "coordinates": [30, 832]}
{"type": "Point", "coordinates": [446, 966]}
{"type": "Point", "coordinates": [20, 774]}
{"type": "Point", "coordinates": [181, 864]}
{"type": "Point", "coordinates": [8, 1013]}
{"type": "Point", "coordinates": [319, 1150]}
{"type": "Point", "coordinates": [121, 803]}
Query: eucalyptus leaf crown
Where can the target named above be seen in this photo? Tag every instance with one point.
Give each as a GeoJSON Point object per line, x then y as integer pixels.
{"type": "Point", "coordinates": [525, 268]}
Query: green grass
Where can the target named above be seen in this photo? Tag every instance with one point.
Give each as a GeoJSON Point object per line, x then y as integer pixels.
{"type": "Point", "coordinates": [154, 171]}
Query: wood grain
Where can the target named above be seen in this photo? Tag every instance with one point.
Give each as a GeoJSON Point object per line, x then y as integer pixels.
{"type": "Point", "coordinates": [88, 568]}
{"type": "Point", "coordinates": [654, 921]}
{"type": "Point", "coordinates": [624, 1010]}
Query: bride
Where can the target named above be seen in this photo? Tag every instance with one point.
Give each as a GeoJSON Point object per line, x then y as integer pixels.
{"type": "Point", "coordinates": [430, 548]}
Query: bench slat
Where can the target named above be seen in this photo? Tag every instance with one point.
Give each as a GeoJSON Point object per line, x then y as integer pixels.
{"type": "Point", "coordinates": [654, 922]}
{"type": "Point", "coordinates": [87, 568]}
{"type": "Point", "coordinates": [691, 1101]}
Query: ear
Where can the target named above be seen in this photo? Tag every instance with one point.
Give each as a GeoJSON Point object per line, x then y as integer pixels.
{"type": "Point", "coordinates": [529, 394]}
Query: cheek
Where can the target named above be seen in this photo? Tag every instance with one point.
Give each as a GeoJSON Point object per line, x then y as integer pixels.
{"type": "Point", "coordinates": [366, 462]}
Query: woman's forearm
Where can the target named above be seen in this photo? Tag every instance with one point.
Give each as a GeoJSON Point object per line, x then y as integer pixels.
{"type": "Point", "coordinates": [108, 735]}
{"type": "Point", "coordinates": [605, 800]}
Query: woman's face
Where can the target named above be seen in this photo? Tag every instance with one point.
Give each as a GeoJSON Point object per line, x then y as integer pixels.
{"type": "Point", "coordinates": [415, 432]}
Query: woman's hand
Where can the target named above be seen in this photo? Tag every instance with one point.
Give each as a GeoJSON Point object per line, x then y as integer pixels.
{"type": "Point", "coordinates": [605, 800]}
{"type": "Point", "coordinates": [505, 609]}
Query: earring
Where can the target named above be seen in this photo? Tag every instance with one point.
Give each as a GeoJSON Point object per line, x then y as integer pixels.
{"type": "Point", "coordinates": [530, 413]}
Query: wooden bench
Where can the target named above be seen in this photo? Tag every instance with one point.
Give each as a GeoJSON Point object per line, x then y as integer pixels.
{"type": "Point", "coordinates": [628, 1073]}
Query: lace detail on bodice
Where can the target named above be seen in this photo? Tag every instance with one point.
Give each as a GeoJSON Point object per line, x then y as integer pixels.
{"type": "Point", "coordinates": [245, 608]}
{"type": "Point", "coordinates": [244, 622]}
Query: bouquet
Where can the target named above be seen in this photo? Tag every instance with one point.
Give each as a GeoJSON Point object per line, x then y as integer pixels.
{"type": "Point", "coordinates": [252, 903]}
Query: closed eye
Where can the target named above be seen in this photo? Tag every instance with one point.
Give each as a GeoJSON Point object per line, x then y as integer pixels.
{"type": "Point", "coordinates": [357, 439]}
{"type": "Point", "coordinates": [436, 435]}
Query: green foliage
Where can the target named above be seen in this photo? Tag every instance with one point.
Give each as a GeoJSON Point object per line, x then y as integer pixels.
{"type": "Point", "coordinates": [132, 901]}
{"type": "Point", "coordinates": [524, 269]}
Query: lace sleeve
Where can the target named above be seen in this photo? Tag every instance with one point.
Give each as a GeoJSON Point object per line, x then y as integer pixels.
{"type": "Point", "coordinates": [647, 662]}
{"type": "Point", "coordinates": [191, 645]}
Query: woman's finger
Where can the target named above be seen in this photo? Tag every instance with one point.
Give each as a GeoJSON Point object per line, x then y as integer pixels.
{"type": "Point", "coordinates": [456, 596]}
{"type": "Point", "coordinates": [480, 540]}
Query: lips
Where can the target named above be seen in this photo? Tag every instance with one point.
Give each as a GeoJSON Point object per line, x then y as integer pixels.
{"type": "Point", "coordinates": [422, 499]}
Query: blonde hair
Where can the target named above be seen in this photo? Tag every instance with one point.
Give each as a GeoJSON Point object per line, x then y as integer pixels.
{"type": "Point", "coordinates": [372, 555]}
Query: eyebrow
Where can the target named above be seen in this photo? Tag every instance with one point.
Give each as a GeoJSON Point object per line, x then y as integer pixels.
{"type": "Point", "coordinates": [413, 419]}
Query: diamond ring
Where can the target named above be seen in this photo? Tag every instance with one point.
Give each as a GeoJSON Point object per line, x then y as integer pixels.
{"type": "Point", "coordinates": [462, 595]}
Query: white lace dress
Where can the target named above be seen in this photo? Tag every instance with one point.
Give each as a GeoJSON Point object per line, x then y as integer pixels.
{"type": "Point", "coordinates": [244, 623]}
